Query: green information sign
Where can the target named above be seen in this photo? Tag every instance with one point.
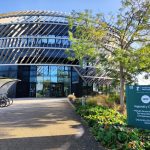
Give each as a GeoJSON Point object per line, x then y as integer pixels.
{"type": "Point", "coordinates": [138, 106]}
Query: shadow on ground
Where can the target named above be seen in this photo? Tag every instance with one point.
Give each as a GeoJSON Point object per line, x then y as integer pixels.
{"type": "Point", "coordinates": [35, 115]}
{"type": "Point", "coordinates": [68, 142]}
{"type": "Point", "coordinates": [43, 125]}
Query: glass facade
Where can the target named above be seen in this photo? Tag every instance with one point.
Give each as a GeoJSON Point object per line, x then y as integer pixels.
{"type": "Point", "coordinates": [45, 81]}
{"type": "Point", "coordinates": [53, 81]}
{"type": "Point", "coordinates": [8, 71]}
{"type": "Point", "coordinates": [31, 43]}
{"type": "Point", "coordinates": [45, 41]}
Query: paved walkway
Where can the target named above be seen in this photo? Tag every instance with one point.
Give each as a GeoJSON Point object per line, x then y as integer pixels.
{"type": "Point", "coordinates": [43, 124]}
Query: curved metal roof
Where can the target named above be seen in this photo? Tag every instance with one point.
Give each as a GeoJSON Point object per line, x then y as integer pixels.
{"type": "Point", "coordinates": [33, 13]}
{"type": "Point", "coordinates": [25, 39]}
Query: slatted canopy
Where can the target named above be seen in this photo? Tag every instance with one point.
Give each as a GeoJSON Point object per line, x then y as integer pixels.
{"type": "Point", "coordinates": [41, 38]}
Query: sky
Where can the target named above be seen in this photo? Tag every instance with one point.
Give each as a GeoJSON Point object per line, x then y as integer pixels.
{"type": "Point", "coordinates": [104, 6]}
{"type": "Point", "coordinates": [97, 6]}
{"type": "Point", "coordinates": [142, 81]}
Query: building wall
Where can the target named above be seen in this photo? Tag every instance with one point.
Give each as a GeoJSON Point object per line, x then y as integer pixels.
{"type": "Point", "coordinates": [45, 81]}
{"type": "Point", "coordinates": [48, 81]}
{"type": "Point", "coordinates": [41, 38]}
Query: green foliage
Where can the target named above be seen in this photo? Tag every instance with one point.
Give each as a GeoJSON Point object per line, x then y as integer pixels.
{"type": "Point", "coordinates": [122, 137]}
{"type": "Point", "coordinates": [97, 100]}
{"type": "Point", "coordinates": [119, 46]}
{"type": "Point", "coordinates": [128, 57]}
{"type": "Point", "coordinates": [91, 101]}
{"type": "Point", "coordinates": [147, 145]}
{"type": "Point", "coordinates": [110, 128]}
{"type": "Point", "coordinates": [89, 31]}
{"type": "Point", "coordinates": [143, 62]}
{"type": "Point", "coordinates": [100, 114]}
{"type": "Point", "coordinates": [111, 100]}
{"type": "Point", "coordinates": [113, 97]}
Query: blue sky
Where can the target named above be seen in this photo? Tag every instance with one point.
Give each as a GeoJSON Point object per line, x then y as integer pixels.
{"type": "Point", "coordinates": [104, 6]}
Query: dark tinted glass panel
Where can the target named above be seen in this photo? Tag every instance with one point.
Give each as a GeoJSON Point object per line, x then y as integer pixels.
{"type": "Point", "coordinates": [75, 77]}
{"type": "Point", "coordinates": [53, 81]}
{"type": "Point", "coordinates": [54, 74]}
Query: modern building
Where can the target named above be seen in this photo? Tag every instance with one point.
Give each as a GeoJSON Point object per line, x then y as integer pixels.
{"type": "Point", "coordinates": [33, 49]}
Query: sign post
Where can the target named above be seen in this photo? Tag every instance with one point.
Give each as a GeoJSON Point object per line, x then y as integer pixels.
{"type": "Point", "coordinates": [138, 106]}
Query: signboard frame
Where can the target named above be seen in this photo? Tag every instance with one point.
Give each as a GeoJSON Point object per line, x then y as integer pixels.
{"type": "Point", "coordinates": [138, 106]}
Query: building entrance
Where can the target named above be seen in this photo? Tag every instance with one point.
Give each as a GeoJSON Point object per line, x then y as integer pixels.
{"type": "Point", "coordinates": [53, 81]}
{"type": "Point", "coordinates": [56, 90]}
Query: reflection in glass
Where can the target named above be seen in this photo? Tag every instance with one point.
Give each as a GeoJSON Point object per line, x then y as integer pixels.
{"type": "Point", "coordinates": [32, 89]}
{"type": "Point", "coordinates": [39, 89]}
{"type": "Point", "coordinates": [53, 81]}
{"type": "Point", "coordinates": [39, 78]}
{"type": "Point", "coordinates": [46, 88]}
{"type": "Point", "coordinates": [45, 70]}
{"type": "Point", "coordinates": [46, 78]}
{"type": "Point", "coordinates": [75, 77]}
{"type": "Point", "coordinates": [54, 74]}
{"type": "Point", "coordinates": [40, 71]}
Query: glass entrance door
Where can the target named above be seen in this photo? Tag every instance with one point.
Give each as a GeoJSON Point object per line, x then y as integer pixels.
{"type": "Point", "coordinates": [56, 90]}
{"type": "Point", "coordinates": [53, 81]}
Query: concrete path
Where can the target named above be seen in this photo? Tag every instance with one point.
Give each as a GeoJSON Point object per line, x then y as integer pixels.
{"type": "Point", "coordinates": [43, 124]}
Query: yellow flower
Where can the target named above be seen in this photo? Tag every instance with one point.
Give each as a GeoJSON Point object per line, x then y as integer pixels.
{"type": "Point", "coordinates": [132, 145]}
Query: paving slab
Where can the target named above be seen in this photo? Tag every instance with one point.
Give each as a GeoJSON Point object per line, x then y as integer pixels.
{"type": "Point", "coordinates": [43, 124]}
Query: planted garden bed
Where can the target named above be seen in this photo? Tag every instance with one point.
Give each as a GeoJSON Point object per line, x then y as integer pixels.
{"type": "Point", "coordinates": [110, 128]}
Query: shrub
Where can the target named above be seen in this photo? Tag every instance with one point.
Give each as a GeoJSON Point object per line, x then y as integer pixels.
{"type": "Point", "coordinates": [110, 101]}
{"type": "Point", "coordinates": [91, 101]}
{"type": "Point", "coordinates": [110, 128]}
{"type": "Point", "coordinates": [72, 97]}
{"type": "Point", "coordinates": [97, 100]}
{"type": "Point", "coordinates": [114, 98]}
{"type": "Point", "coordinates": [94, 93]}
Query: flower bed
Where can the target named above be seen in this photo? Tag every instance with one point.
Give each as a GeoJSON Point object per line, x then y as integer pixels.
{"type": "Point", "coordinates": [110, 128]}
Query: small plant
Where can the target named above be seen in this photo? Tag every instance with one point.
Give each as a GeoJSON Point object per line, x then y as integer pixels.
{"type": "Point", "coordinates": [71, 97]}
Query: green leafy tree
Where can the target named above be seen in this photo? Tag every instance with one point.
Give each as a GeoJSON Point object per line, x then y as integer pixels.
{"type": "Point", "coordinates": [143, 59]}
{"type": "Point", "coordinates": [121, 46]}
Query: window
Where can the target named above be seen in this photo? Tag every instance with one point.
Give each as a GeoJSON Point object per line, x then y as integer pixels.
{"type": "Point", "coordinates": [75, 77]}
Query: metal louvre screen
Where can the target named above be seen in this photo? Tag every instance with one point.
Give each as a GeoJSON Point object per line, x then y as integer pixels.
{"type": "Point", "coordinates": [39, 38]}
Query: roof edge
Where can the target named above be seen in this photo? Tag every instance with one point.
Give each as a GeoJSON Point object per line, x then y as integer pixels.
{"type": "Point", "coordinates": [34, 13]}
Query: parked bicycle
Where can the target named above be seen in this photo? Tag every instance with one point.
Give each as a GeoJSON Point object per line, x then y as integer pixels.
{"type": "Point", "coordinates": [5, 101]}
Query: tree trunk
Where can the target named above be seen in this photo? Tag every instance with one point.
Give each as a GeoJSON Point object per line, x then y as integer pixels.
{"type": "Point", "coordinates": [122, 86]}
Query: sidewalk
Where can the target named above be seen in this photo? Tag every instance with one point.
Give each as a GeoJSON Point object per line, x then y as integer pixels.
{"type": "Point", "coordinates": [43, 124]}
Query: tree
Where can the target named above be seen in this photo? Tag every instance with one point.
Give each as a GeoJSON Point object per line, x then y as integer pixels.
{"type": "Point", "coordinates": [143, 60]}
{"type": "Point", "coordinates": [119, 46]}
{"type": "Point", "coordinates": [133, 25]}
